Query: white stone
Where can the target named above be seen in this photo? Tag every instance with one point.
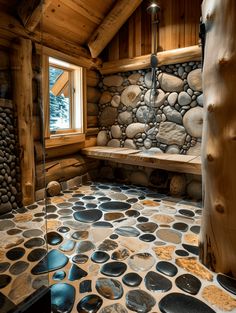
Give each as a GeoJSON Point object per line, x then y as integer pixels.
{"type": "Point", "coordinates": [171, 133]}
{"type": "Point", "coordinates": [116, 132]}
{"type": "Point", "coordinates": [195, 150]}
{"type": "Point", "coordinates": [152, 151]}
{"type": "Point", "coordinates": [113, 81]}
{"type": "Point", "coordinates": [173, 115]}
{"type": "Point", "coordinates": [172, 149]}
{"type": "Point", "coordinates": [98, 234]}
{"type": "Point", "coordinates": [184, 98]}
{"type": "Point", "coordinates": [125, 118]}
{"type": "Point", "coordinates": [194, 79]}
{"type": "Point", "coordinates": [194, 190]}
{"type": "Point", "coordinates": [131, 96]}
{"type": "Point", "coordinates": [145, 114]}
{"type": "Point", "coordinates": [102, 138]}
{"type": "Point", "coordinates": [193, 121]}
{"type": "Point", "coordinates": [115, 102]}
{"type": "Point", "coordinates": [129, 143]}
{"type": "Point", "coordinates": [155, 100]}
{"type": "Point", "coordinates": [134, 78]}
{"type": "Point", "coordinates": [148, 80]}
{"type": "Point", "coordinates": [113, 143]}
{"type": "Point", "coordinates": [105, 97]}
{"type": "Point", "coordinates": [200, 100]}
{"type": "Point", "coordinates": [139, 178]}
{"type": "Point", "coordinates": [135, 128]}
{"type": "Point", "coordinates": [147, 143]}
{"type": "Point", "coordinates": [170, 82]}
{"type": "Point", "coordinates": [172, 98]}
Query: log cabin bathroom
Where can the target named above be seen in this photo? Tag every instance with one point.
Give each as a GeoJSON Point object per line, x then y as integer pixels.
{"type": "Point", "coordinates": [117, 156]}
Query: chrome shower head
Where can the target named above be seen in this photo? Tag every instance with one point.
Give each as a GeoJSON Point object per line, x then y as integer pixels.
{"type": "Point", "coordinates": [153, 8]}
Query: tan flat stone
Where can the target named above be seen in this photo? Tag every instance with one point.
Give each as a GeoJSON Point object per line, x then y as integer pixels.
{"type": "Point", "coordinates": [221, 299]}
{"type": "Point", "coordinates": [162, 218]}
{"type": "Point", "coordinates": [164, 253]}
{"type": "Point", "coordinates": [150, 203]}
{"type": "Point", "coordinates": [25, 217]}
{"type": "Point", "coordinates": [51, 224]}
{"type": "Point", "coordinates": [191, 239]}
{"type": "Point", "coordinates": [193, 266]}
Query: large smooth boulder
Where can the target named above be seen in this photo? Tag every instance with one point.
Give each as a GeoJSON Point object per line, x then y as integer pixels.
{"type": "Point", "coordinates": [105, 97]}
{"type": "Point", "coordinates": [170, 83]}
{"type": "Point", "coordinates": [131, 96]}
{"type": "Point", "coordinates": [115, 102]}
{"type": "Point", "coordinates": [145, 114]}
{"type": "Point", "coordinates": [172, 98]}
{"type": "Point", "coordinates": [154, 100]}
{"type": "Point", "coordinates": [125, 118]}
{"type": "Point", "coordinates": [113, 143]}
{"type": "Point", "coordinates": [173, 115]}
{"type": "Point", "coordinates": [129, 143]}
{"type": "Point", "coordinates": [134, 78]}
{"type": "Point", "coordinates": [171, 134]}
{"type": "Point", "coordinates": [194, 79]}
{"type": "Point", "coordinates": [116, 132]}
{"type": "Point", "coordinates": [184, 98]}
{"type": "Point", "coordinates": [102, 138]}
{"type": "Point", "coordinates": [193, 121]}
{"type": "Point", "coordinates": [135, 128]}
{"type": "Point", "coordinates": [113, 81]}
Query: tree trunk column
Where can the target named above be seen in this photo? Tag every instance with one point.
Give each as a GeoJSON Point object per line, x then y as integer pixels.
{"type": "Point", "coordinates": [218, 237]}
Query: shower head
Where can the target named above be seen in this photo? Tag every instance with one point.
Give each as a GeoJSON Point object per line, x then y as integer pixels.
{"type": "Point", "coordinates": [153, 8]}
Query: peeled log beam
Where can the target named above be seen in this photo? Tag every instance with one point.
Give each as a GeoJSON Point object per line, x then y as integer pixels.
{"type": "Point", "coordinates": [21, 63]}
{"type": "Point", "coordinates": [218, 237]}
{"type": "Point", "coordinates": [192, 53]}
{"type": "Point", "coordinates": [111, 24]}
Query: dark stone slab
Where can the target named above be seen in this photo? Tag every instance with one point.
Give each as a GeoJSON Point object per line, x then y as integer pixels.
{"type": "Point", "coordinates": [64, 205]}
{"type": "Point", "coordinates": [88, 216]}
{"type": "Point", "coordinates": [51, 208]}
{"type": "Point", "coordinates": [59, 275]}
{"type": "Point", "coordinates": [102, 224]}
{"type": "Point", "coordinates": [14, 231]}
{"type": "Point", "coordinates": [147, 237]}
{"type": "Point", "coordinates": [18, 267]}
{"type": "Point", "coordinates": [109, 288]}
{"type": "Point", "coordinates": [181, 303]}
{"type": "Point", "coordinates": [114, 236]}
{"type": "Point", "coordinates": [227, 283]}
{"type": "Point", "coordinates": [108, 245]}
{"type": "Point", "coordinates": [167, 268]}
{"type": "Point", "coordinates": [195, 229]}
{"type": "Point", "coordinates": [188, 283]}
{"type": "Point", "coordinates": [127, 231]}
{"type": "Point", "coordinates": [34, 242]}
{"type": "Point", "coordinates": [111, 206]}
{"type": "Point", "coordinates": [51, 216]}
{"type": "Point", "coordinates": [4, 280]}
{"type": "Point", "coordinates": [89, 304]}
{"type": "Point", "coordinates": [79, 203]}
{"type": "Point", "coordinates": [15, 253]}
{"type": "Point", "coordinates": [113, 269]}
{"type": "Point", "coordinates": [77, 195]}
{"type": "Point", "coordinates": [80, 235]}
{"type": "Point", "coordinates": [147, 227]}
{"type": "Point", "coordinates": [84, 246]}
{"type": "Point", "coordinates": [104, 199]}
{"type": "Point", "coordinates": [180, 226]}
{"type": "Point", "coordinates": [32, 206]}
{"type": "Point", "coordinates": [132, 213]}
{"type": "Point", "coordinates": [132, 279]}
{"type": "Point", "coordinates": [67, 246]}
{"type": "Point", "coordinates": [191, 249]}
{"type": "Point", "coordinates": [80, 258]}
{"type": "Point", "coordinates": [54, 260]}
{"type": "Point", "coordinates": [78, 207]}
{"type": "Point", "coordinates": [62, 297]}
{"type": "Point", "coordinates": [100, 257]}
{"type": "Point", "coordinates": [63, 229]}
{"type": "Point", "coordinates": [132, 200]}
{"type": "Point", "coordinates": [104, 187]}
{"type": "Point", "coordinates": [36, 254]}
{"type": "Point", "coordinates": [4, 266]}
{"type": "Point", "coordinates": [142, 219]}
{"type": "Point", "coordinates": [85, 286]}
{"type": "Point", "coordinates": [156, 282]}
{"type": "Point", "coordinates": [53, 238]}
{"type": "Point", "coordinates": [187, 212]}
{"type": "Point", "coordinates": [76, 273]}
{"type": "Point", "coordinates": [139, 301]}
{"type": "Point", "coordinates": [181, 252]}
{"type": "Point", "coordinates": [91, 205]}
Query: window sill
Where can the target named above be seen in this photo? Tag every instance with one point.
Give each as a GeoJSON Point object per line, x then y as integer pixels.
{"type": "Point", "coordinates": [59, 140]}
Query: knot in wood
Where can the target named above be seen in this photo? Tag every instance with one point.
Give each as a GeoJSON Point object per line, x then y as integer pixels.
{"type": "Point", "coordinates": [210, 157]}
{"type": "Point", "coordinates": [210, 108]}
{"type": "Point", "coordinates": [219, 208]}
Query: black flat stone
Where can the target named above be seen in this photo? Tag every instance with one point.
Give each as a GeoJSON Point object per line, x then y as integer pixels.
{"type": "Point", "coordinates": [76, 273]}
{"type": "Point", "coordinates": [18, 267]}
{"type": "Point", "coordinates": [88, 216]}
{"type": "Point", "coordinates": [108, 245]}
{"type": "Point", "coordinates": [59, 275]}
{"type": "Point", "coordinates": [84, 246]}
{"type": "Point", "coordinates": [104, 199]}
{"type": "Point", "coordinates": [64, 205]}
{"type": "Point", "coordinates": [4, 266]}
{"type": "Point", "coordinates": [113, 206]}
{"type": "Point", "coordinates": [67, 246]}
{"type": "Point", "coordinates": [180, 226]}
{"type": "Point", "coordinates": [139, 301]}
{"type": "Point", "coordinates": [41, 214]}
{"type": "Point", "coordinates": [15, 253]}
{"type": "Point", "coordinates": [195, 229]}
{"type": "Point", "coordinates": [51, 216]}
{"type": "Point", "coordinates": [88, 198]}
{"type": "Point", "coordinates": [132, 200]}
{"type": "Point", "coordinates": [63, 229]}
{"type": "Point", "coordinates": [77, 195]}
{"type": "Point", "coordinates": [142, 219]}
{"type": "Point", "coordinates": [80, 258]}
{"type": "Point", "coordinates": [114, 236]}
{"type": "Point", "coordinates": [167, 268]}
{"type": "Point", "coordinates": [132, 213]}
{"type": "Point", "coordinates": [79, 203]}
{"type": "Point", "coordinates": [62, 298]}
{"type": "Point", "coordinates": [53, 238]}
{"type": "Point", "coordinates": [186, 212]}
{"type": "Point", "coordinates": [191, 249]}
{"type": "Point", "coordinates": [36, 254]}
{"type": "Point", "coordinates": [181, 303]}
{"type": "Point", "coordinates": [85, 286]}
{"type": "Point", "coordinates": [132, 279]}
{"type": "Point", "coordinates": [34, 242]}
{"type": "Point", "coordinates": [156, 282]}
{"type": "Point", "coordinates": [14, 231]}
{"type": "Point", "coordinates": [100, 257]}
{"type": "Point", "coordinates": [109, 288]}
{"type": "Point", "coordinates": [91, 205]}
{"type": "Point", "coordinates": [104, 187]}
{"type": "Point", "coordinates": [54, 260]}
{"type": "Point", "coordinates": [51, 208]}
{"type": "Point", "coordinates": [148, 227]}
{"type": "Point", "coordinates": [147, 237]}
{"type": "Point", "coordinates": [181, 252]}
{"type": "Point", "coordinates": [89, 304]}
{"type": "Point", "coordinates": [188, 283]}
{"type": "Point", "coordinates": [4, 280]}
{"type": "Point", "coordinates": [80, 234]}
{"type": "Point", "coordinates": [113, 269]}
{"type": "Point", "coordinates": [102, 224]}
{"type": "Point", "coordinates": [127, 231]}
{"type": "Point", "coordinates": [227, 283]}
{"type": "Point", "coordinates": [78, 208]}
{"type": "Point", "coordinates": [32, 233]}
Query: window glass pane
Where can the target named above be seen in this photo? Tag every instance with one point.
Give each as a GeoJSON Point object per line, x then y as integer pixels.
{"type": "Point", "coordinates": [60, 101]}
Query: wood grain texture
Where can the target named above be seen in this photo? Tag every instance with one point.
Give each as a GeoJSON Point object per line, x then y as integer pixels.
{"type": "Point", "coordinates": [218, 238]}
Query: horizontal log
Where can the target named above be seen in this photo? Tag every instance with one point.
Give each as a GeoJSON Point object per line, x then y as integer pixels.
{"type": "Point", "coordinates": [93, 94]}
{"type": "Point", "coordinates": [92, 109]}
{"type": "Point", "coordinates": [93, 131]}
{"type": "Point", "coordinates": [63, 140]}
{"type": "Point", "coordinates": [93, 78]}
{"type": "Point", "coordinates": [92, 121]}
{"type": "Point", "coordinates": [174, 56]}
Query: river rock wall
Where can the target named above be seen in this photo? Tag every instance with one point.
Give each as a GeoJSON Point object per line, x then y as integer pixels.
{"type": "Point", "coordinates": [170, 121]}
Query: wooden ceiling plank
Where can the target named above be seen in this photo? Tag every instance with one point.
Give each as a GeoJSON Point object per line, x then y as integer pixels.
{"type": "Point", "coordinates": [111, 24]}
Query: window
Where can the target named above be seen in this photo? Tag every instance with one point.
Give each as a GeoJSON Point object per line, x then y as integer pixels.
{"type": "Point", "coordinates": [63, 101]}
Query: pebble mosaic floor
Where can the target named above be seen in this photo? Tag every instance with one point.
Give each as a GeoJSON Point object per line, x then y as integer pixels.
{"type": "Point", "coordinates": [111, 248]}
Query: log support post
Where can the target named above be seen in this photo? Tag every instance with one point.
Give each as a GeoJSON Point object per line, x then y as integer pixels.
{"type": "Point", "coordinates": [218, 237]}
{"type": "Point", "coordinates": [21, 63]}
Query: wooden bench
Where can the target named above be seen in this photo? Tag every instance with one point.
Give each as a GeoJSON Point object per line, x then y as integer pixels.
{"type": "Point", "coordinates": [170, 162]}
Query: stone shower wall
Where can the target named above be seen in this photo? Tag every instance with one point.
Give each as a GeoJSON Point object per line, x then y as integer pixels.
{"type": "Point", "coordinates": [172, 124]}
